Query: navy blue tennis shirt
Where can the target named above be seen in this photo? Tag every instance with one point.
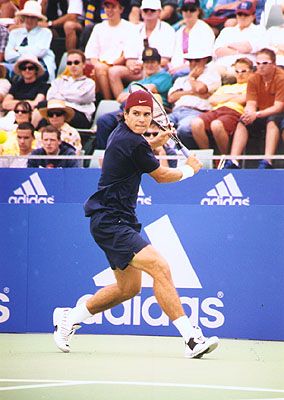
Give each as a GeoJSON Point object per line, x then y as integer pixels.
{"type": "Point", "coordinates": [127, 156]}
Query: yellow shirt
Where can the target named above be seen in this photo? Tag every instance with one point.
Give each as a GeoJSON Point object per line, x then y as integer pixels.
{"type": "Point", "coordinates": [236, 88]}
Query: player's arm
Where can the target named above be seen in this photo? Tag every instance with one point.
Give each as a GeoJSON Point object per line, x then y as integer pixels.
{"type": "Point", "coordinates": [167, 175]}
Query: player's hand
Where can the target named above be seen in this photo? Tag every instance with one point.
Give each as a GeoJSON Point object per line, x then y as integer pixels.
{"type": "Point", "coordinates": [194, 163]}
{"type": "Point", "coordinates": [160, 139]}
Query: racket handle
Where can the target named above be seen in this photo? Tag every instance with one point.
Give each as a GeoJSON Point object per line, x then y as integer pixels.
{"type": "Point", "coordinates": [183, 149]}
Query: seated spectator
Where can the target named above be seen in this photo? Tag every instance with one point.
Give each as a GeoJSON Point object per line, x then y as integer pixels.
{"type": "Point", "coordinates": [64, 19]}
{"type": "Point", "coordinates": [265, 98]}
{"type": "Point", "coordinates": [57, 114]}
{"type": "Point", "coordinates": [107, 45]}
{"type": "Point", "coordinates": [155, 79]}
{"type": "Point", "coordinates": [228, 105]}
{"type": "Point", "coordinates": [21, 113]}
{"type": "Point", "coordinates": [28, 85]}
{"type": "Point", "coordinates": [168, 13]}
{"type": "Point", "coordinates": [77, 90]}
{"type": "Point", "coordinates": [52, 146]}
{"type": "Point", "coordinates": [4, 87]}
{"type": "Point", "coordinates": [164, 150]}
{"type": "Point", "coordinates": [22, 145]}
{"type": "Point", "coordinates": [7, 9]}
{"type": "Point", "coordinates": [152, 32]}
{"type": "Point", "coordinates": [194, 31]}
{"type": "Point", "coordinates": [4, 34]}
{"type": "Point", "coordinates": [242, 40]}
{"type": "Point", "coordinates": [31, 40]}
{"type": "Point", "coordinates": [189, 94]}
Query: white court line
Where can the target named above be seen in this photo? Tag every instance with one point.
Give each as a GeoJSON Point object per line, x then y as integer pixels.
{"type": "Point", "coordinates": [41, 383]}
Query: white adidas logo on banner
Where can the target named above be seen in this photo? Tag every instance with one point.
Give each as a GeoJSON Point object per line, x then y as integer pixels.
{"type": "Point", "coordinates": [226, 192]}
{"type": "Point", "coordinates": [31, 191]}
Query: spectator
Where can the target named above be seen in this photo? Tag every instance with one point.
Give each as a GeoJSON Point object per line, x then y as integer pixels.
{"type": "Point", "coordinates": [21, 113]}
{"type": "Point", "coordinates": [64, 19]}
{"type": "Point", "coordinates": [78, 91]}
{"type": "Point", "coordinates": [265, 98]}
{"type": "Point", "coordinates": [189, 94]}
{"type": "Point", "coordinates": [4, 34]}
{"type": "Point", "coordinates": [4, 87]}
{"type": "Point", "coordinates": [29, 86]}
{"type": "Point", "coordinates": [194, 31]}
{"type": "Point", "coordinates": [31, 39]}
{"type": "Point", "coordinates": [157, 80]}
{"type": "Point", "coordinates": [228, 105]}
{"type": "Point", "coordinates": [7, 9]}
{"type": "Point", "coordinates": [52, 146]}
{"type": "Point", "coordinates": [168, 13]}
{"type": "Point", "coordinates": [58, 115]}
{"type": "Point", "coordinates": [242, 40]}
{"type": "Point", "coordinates": [107, 45]}
{"type": "Point", "coordinates": [275, 36]}
{"type": "Point", "coordinates": [152, 32]}
{"type": "Point", "coordinates": [22, 145]}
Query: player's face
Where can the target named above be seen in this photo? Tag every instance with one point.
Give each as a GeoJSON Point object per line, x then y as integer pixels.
{"type": "Point", "coordinates": [50, 142]}
{"type": "Point", "coordinates": [138, 119]}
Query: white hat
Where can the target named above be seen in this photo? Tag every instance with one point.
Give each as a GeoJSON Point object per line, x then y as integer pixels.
{"type": "Point", "coordinates": [57, 105]}
{"type": "Point", "coordinates": [31, 9]}
{"type": "Point", "coordinates": [29, 58]}
{"type": "Point", "coordinates": [152, 4]}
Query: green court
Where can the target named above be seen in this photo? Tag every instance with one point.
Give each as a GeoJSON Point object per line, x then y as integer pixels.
{"type": "Point", "coordinates": [137, 368]}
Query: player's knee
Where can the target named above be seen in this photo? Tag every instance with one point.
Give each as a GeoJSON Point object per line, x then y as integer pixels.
{"type": "Point", "coordinates": [131, 291]}
{"type": "Point", "coordinates": [161, 270]}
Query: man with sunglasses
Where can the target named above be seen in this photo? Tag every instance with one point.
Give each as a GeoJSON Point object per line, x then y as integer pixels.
{"type": "Point", "coordinates": [242, 40]}
{"type": "Point", "coordinates": [264, 100]}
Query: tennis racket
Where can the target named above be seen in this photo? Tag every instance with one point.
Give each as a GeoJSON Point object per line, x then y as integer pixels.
{"type": "Point", "coordinates": [160, 117]}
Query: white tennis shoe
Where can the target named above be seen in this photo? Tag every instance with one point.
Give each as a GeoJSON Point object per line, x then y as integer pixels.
{"type": "Point", "coordinates": [199, 345]}
{"type": "Point", "coordinates": [63, 331]}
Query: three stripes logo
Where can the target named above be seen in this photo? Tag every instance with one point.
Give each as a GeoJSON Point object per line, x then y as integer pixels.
{"type": "Point", "coordinates": [226, 192]}
{"type": "Point", "coordinates": [31, 191]}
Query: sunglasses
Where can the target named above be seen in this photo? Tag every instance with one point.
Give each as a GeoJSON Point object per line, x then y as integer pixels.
{"type": "Point", "coordinates": [23, 67]}
{"type": "Point", "coordinates": [263, 62]}
{"type": "Point", "coordinates": [148, 134]}
{"type": "Point", "coordinates": [242, 14]}
{"type": "Point", "coordinates": [241, 71]}
{"type": "Point", "coordinates": [149, 10]}
{"type": "Point", "coordinates": [190, 9]}
{"type": "Point", "coordinates": [76, 62]}
{"type": "Point", "coordinates": [22, 111]}
{"type": "Point", "coordinates": [55, 113]}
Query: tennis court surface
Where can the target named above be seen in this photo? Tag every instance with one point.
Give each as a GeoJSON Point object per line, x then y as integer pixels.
{"type": "Point", "coordinates": [137, 368]}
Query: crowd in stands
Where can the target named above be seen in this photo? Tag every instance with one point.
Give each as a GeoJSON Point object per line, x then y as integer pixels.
{"type": "Point", "coordinates": [216, 65]}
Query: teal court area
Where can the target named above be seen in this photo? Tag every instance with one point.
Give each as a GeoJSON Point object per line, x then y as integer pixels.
{"type": "Point", "coordinates": [138, 368]}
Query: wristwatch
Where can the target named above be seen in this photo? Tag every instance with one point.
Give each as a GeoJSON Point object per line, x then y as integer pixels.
{"type": "Point", "coordinates": [49, 24]}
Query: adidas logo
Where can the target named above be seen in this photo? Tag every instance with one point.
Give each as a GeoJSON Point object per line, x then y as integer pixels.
{"type": "Point", "coordinates": [226, 192]}
{"type": "Point", "coordinates": [31, 191]}
{"type": "Point", "coordinates": [142, 199]}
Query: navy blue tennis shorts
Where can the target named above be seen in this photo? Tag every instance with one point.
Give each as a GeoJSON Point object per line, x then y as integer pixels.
{"type": "Point", "coordinates": [117, 237]}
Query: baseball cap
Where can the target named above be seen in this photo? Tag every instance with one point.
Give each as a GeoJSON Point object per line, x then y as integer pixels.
{"type": "Point", "coordinates": [151, 4]}
{"type": "Point", "coordinates": [115, 2]}
{"type": "Point", "coordinates": [151, 54]}
{"type": "Point", "coordinates": [139, 98]}
{"type": "Point", "coordinates": [246, 7]}
{"type": "Point", "coordinates": [187, 5]}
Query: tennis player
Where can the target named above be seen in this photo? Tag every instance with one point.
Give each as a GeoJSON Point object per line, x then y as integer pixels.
{"type": "Point", "coordinates": [116, 230]}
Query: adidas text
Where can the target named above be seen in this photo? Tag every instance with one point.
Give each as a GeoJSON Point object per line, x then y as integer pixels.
{"type": "Point", "coordinates": [225, 201]}
{"type": "Point", "coordinates": [4, 310]}
{"type": "Point", "coordinates": [31, 199]}
{"type": "Point", "coordinates": [145, 201]}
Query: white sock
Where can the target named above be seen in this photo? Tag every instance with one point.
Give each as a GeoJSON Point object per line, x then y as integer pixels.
{"type": "Point", "coordinates": [79, 314]}
{"type": "Point", "coordinates": [184, 327]}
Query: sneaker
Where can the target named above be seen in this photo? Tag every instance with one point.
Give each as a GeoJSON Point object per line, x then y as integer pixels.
{"type": "Point", "coordinates": [264, 164]}
{"type": "Point", "coordinates": [63, 332]}
{"type": "Point", "coordinates": [199, 345]}
{"type": "Point", "coordinates": [230, 165]}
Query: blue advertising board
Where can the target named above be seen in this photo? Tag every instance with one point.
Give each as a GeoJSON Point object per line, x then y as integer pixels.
{"type": "Point", "coordinates": [226, 262]}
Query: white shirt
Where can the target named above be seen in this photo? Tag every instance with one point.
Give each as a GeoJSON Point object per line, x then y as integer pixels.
{"type": "Point", "coordinates": [75, 7]}
{"type": "Point", "coordinates": [107, 43]}
{"type": "Point", "coordinates": [254, 34]}
{"type": "Point", "coordinates": [210, 77]}
{"type": "Point", "coordinates": [162, 38]}
{"type": "Point", "coordinates": [275, 36]}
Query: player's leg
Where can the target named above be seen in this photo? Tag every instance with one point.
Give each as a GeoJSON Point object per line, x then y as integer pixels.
{"type": "Point", "coordinates": [151, 262]}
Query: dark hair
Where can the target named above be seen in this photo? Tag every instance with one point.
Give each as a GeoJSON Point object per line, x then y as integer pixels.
{"type": "Point", "coordinates": [49, 129]}
{"type": "Point", "coordinates": [79, 52]}
{"type": "Point", "coordinates": [25, 104]}
{"type": "Point", "coordinates": [270, 53]}
{"type": "Point", "coordinates": [27, 126]}
{"type": "Point", "coordinates": [244, 60]}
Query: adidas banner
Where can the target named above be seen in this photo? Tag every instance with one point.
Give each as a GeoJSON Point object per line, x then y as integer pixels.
{"type": "Point", "coordinates": [226, 262]}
